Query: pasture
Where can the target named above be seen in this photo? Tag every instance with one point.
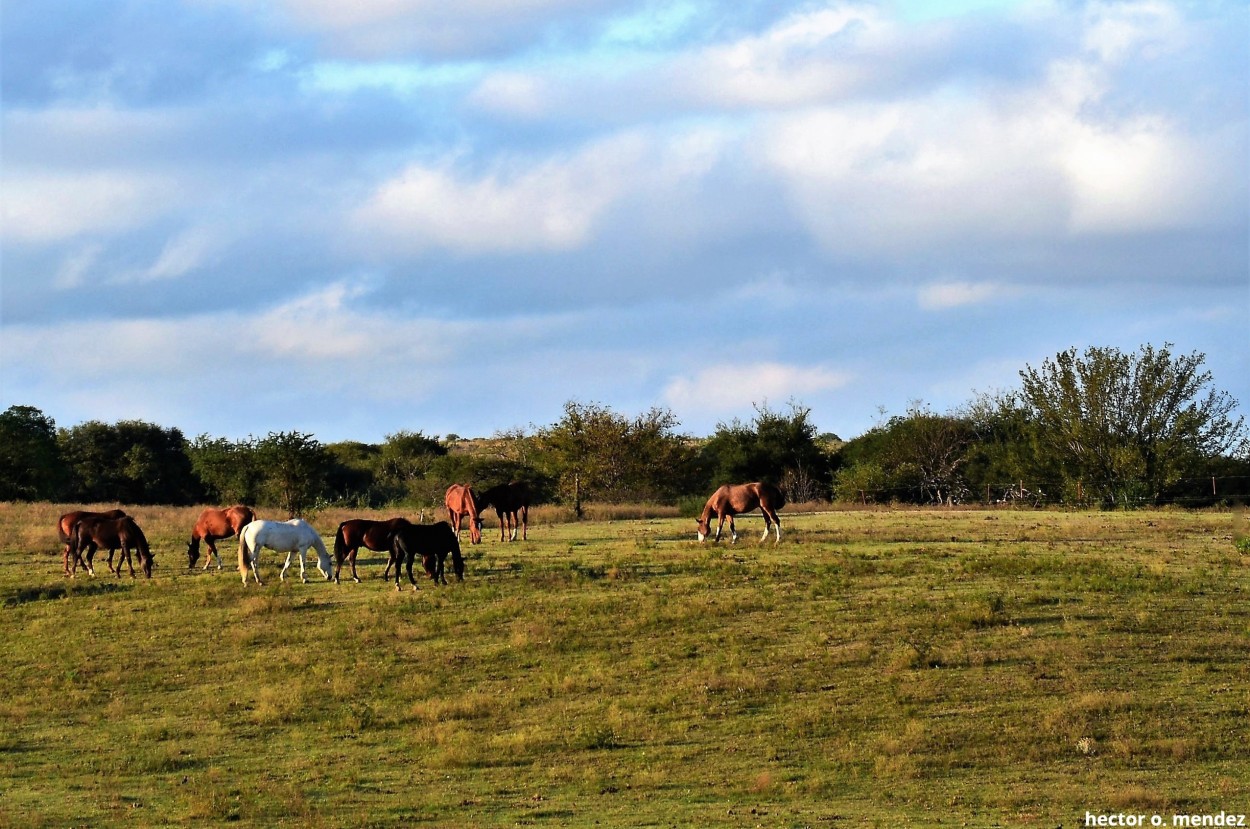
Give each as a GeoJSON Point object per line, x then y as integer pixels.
{"type": "Point", "coordinates": [877, 668]}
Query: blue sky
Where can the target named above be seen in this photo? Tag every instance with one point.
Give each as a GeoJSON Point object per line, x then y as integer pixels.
{"type": "Point", "coordinates": [356, 218]}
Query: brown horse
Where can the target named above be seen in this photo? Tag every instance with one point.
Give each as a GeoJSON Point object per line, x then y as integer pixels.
{"type": "Point", "coordinates": [90, 534]}
{"type": "Point", "coordinates": [361, 532]}
{"type": "Point", "coordinates": [214, 525]}
{"type": "Point", "coordinates": [461, 501]}
{"type": "Point", "coordinates": [510, 502]}
{"type": "Point", "coordinates": [432, 542]}
{"type": "Point", "coordinates": [732, 499]}
{"type": "Point", "coordinates": [65, 532]}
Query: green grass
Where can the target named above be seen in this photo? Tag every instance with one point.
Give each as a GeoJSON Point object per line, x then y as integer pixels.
{"type": "Point", "coordinates": [878, 668]}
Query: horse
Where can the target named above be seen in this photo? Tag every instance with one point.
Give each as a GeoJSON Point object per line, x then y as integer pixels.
{"type": "Point", "coordinates": [510, 501]}
{"type": "Point", "coordinates": [65, 531]}
{"type": "Point", "coordinates": [290, 537]}
{"type": "Point", "coordinates": [90, 534]}
{"type": "Point", "coordinates": [361, 532]}
{"type": "Point", "coordinates": [732, 499]}
{"type": "Point", "coordinates": [432, 542]}
{"type": "Point", "coordinates": [461, 501]}
{"type": "Point", "coordinates": [214, 525]}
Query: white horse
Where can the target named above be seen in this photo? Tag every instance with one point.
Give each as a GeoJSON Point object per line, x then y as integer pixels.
{"type": "Point", "coordinates": [290, 537]}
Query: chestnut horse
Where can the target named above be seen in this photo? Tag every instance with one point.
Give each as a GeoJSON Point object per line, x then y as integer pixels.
{"type": "Point", "coordinates": [214, 525]}
{"type": "Point", "coordinates": [732, 499]}
{"type": "Point", "coordinates": [361, 532]}
{"type": "Point", "coordinates": [90, 534]}
{"type": "Point", "coordinates": [65, 532]}
{"type": "Point", "coordinates": [432, 542]}
{"type": "Point", "coordinates": [510, 501]}
{"type": "Point", "coordinates": [461, 501]}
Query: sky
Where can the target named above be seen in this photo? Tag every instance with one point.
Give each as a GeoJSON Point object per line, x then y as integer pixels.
{"type": "Point", "coordinates": [351, 219]}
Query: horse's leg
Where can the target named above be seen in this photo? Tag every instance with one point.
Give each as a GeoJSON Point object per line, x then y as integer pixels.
{"type": "Point", "coordinates": [525, 523]}
{"type": "Point", "coordinates": [303, 553]}
{"type": "Point", "coordinates": [351, 558]}
{"type": "Point", "coordinates": [286, 565]}
{"type": "Point", "coordinates": [776, 525]}
{"type": "Point", "coordinates": [733, 531]}
{"type": "Point", "coordinates": [768, 523]}
{"type": "Point", "coordinates": [255, 557]}
{"type": "Point", "coordinates": [212, 552]}
{"type": "Point", "coordinates": [129, 563]}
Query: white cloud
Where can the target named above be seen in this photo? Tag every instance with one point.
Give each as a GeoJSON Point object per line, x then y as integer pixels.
{"type": "Point", "coordinates": [548, 204]}
{"type": "Point", "coordinates": [943, 295]}
{"type": "Point", "coordinates": [49, 207]}
{"type": "Point", "coordinates": [730, 386]}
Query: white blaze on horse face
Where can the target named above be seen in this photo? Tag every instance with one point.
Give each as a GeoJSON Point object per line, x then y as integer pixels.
{"type": "Point", "coordinates": [701, 535]}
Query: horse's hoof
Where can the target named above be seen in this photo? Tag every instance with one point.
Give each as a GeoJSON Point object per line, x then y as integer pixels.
{"type": "Point", "coordinates": [304, 580]}
{"type": "Point", "coordinates": [356, 580]}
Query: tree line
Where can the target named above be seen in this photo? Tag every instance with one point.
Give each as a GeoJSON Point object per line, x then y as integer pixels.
{"type": "Point", "coordinates": [1103, 427]}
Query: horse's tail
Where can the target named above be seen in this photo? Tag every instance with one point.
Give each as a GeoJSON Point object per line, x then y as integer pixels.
{"type": "Point", "coordinates": [243, 554]}
{"type": "Point", "coordinates": [340, 543]}
{"type": "Point", "coordinates": [781, 497]}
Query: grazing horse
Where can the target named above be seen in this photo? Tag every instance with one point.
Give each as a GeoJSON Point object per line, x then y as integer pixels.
{"type": "Point", "coordinates": [90, 534]}
{"type": "Point", "coordinates": [432, 542]}
{"type": "Point", "coordinates": [361, 532]}
{"type": "Point", "coordinates": [214, 525]}
{"type": "Point", "coordinates": [65, 532]}
{"type": "Point", "coordinates": [510, 501]}
{"type": "Point", "coordinates": [732, 499]}
{"type": "Point", "coordinates": [290, 537]}
{"type": "Point", "coordinates": [461, 501]}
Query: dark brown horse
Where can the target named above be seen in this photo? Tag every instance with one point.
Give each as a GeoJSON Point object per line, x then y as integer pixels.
{"type": "Point", "coordinates": [214, 525]}
{"type": "Point", "coordinates": [511, 501]}
{"type": "Point", "coordinates": [90, 534]}
{"type": "Point", "coordinates": [65, 532]}
{"type": "Point", "coordinates": [432, 542]}
{"type": "Point", "coordinates": [732, 499]}
{"type": "Point", "coordinates": [461, 501]}
{"type": "Point", "coordinates": [361, 532]}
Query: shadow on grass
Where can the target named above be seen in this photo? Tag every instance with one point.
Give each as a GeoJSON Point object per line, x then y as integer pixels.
{"type": "Point", "coordinates": [26, 595]}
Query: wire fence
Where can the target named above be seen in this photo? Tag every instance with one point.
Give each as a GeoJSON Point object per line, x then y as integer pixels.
{"type": "Point", "coordinates": [1203, 491]}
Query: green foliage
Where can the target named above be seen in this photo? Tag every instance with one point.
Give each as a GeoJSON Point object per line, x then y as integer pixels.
{"type": "Point", "coordinates": [778, 447]}
{"type": "Point", "coordinates": [594, 453]}
{"type": "Point", "coordinates": [229, 470]}
{"type": "Point", "coordinates": [31, 468]}
{"type": "Point", "coordinates": [1128, 426]}
{"type": "Point", "coordinates": [130, 462]}
{"type": "Point", "coordinates": [918, 457]}
{"type": "Point", "coordinates": [294, 465]}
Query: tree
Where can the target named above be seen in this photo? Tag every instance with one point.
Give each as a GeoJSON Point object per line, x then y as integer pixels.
{"type": "Point", "coordinates": [295, 466]}
{"type": "Point", "coordinates": [130, 461]}
{"type": "Point", "coordinates": [598, 454]}
{"type": "Point", "coordinates": [229, 471]}
{"type": "Point", "coordinates": [405, 461]}
{"type": "Point", "coordinates": [778, 447]}
{"type": "Point", "coordinates": [31, 468]}
{"type": "Point", "coordinates": [1129, 426]}
{"type": "Point", "coordinates": [918, 457]}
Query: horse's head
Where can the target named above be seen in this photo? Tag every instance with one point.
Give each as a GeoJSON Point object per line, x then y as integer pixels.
{"type": "Point", "coordinates": [193, 553]}
{"type": "Point", "coordinates": [475, 530]}
{"type": "Point", "coordinates": [705, 529]}
{"type": "Point", "coordinates": [146, 560]}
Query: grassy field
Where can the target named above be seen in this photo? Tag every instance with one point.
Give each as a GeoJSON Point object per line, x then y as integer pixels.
{"type": "Point", "coordinates": [878, 668]}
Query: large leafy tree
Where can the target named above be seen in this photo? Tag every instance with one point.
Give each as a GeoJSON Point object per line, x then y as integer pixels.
{"type": "Point", "coordinates": [597, 454]}
{"type": "Point", "coordinates": [776, 446]}
{"type": "Point", "coordinates": [30, 460]}
{"type": "Point", "coordinates": [229, 470]}
{"type": "Point", "coordinates": [1125, 427]}
{"type": "Point", "coordinates": [129, 461]}
{"type": "Point", "coordinates": [295, 466]}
